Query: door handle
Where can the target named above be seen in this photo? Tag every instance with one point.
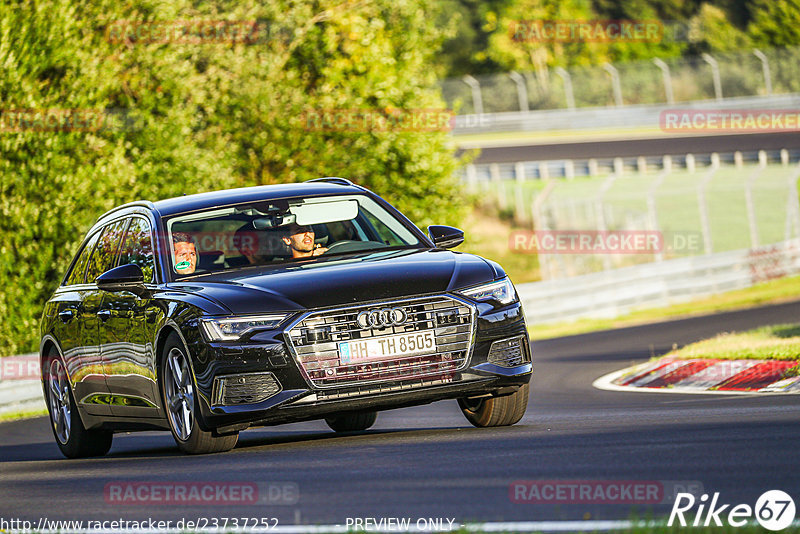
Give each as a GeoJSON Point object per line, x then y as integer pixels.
{"type": "Point", "coordinates": [150, 315]}
{"type": "Point", "coordinates": [66, 315]}
{"type": "Point", "coordinates": [104, 315]}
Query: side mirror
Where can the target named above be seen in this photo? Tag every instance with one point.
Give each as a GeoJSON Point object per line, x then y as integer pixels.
{"type": "Point", "coordinates": [123, 278]}
{"type": "Point", "coordinates": [445, 236]}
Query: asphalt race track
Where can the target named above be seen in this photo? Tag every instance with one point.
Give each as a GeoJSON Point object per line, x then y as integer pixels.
{"type": "Point", "coordinates": [640, 147]}
{"type": "Point", "coordinates": [426, 462]}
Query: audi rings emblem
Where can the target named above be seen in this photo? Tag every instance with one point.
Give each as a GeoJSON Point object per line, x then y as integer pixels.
{"type": "Point", "coordinates": [381, 318]}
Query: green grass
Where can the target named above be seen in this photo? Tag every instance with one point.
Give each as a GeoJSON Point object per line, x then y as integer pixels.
{"type": "Point", "coordinates": [782, 290]}
{"type": "Point", "coordinates": [14, 416]}
{"type": "Point", "coordinates": [572, 203]}
{"type": "Point", "coordinates": [488, 236]}
{"type": "Point", "coordinates": [775, 342]}
{"type": "Point", "coordinates": [549, 135]}
{"type": "Point", "coordinates": [678, 209]}
{"type": "Point", "coordinates": [520, 193]}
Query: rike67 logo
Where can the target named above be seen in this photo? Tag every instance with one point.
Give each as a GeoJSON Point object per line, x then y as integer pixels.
{"type": "Point", "coordinates": [774, 510]}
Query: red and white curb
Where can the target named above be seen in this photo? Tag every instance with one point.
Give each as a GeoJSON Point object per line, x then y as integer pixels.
{"type": "Point", "coordinates": [704, 375]}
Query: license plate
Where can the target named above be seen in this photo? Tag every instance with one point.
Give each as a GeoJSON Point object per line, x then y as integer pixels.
{"type": "Point", "coordinates": [376, 348]}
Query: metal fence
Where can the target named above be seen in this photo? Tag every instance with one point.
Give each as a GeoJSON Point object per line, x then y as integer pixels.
{"type": "Point", "coordinates": [696, 204]}
{"type": "Point", "coordinates": [661, 81]}
{"type": "Point", "coordinates": [613, 293]}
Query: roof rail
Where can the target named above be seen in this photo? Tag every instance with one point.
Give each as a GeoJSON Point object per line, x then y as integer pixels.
{"type": "Point", "coordinates": [143, 203]}
{"type": "Point", "coordinates": [332, 179]}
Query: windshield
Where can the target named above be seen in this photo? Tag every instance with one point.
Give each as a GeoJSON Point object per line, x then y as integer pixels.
{"type": "Point", "coordinates": [281, 231]}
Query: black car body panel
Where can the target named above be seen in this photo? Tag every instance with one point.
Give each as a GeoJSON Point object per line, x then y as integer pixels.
{"type": "Point", "coordinates": [112, 342]}
{"type": "Point", "coordinates": [380, 275]}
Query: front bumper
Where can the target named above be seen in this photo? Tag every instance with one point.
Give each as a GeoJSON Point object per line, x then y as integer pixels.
{"type": "Point", "coordinates": [298, 398]}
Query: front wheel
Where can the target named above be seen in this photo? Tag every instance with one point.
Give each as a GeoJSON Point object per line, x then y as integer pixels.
{"type": "Point", "coordinates": [71, 436]}
{"type": "Point", "coordinates": [496, 411]}
{"type": "Point", "coordinates": [178, 393]}
{"type": "Point", "coordinates": [352, 422]}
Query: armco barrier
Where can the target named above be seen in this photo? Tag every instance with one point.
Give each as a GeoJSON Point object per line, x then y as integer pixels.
{"type": "Point", "coordinates": [20, 384]}
{"type": "Point", "coordinates": [635, 116]}
{"type": "Point", "coordinates": [611, 293]}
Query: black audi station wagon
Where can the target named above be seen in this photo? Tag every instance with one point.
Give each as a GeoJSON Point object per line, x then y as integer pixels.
{"type": "Point", "coordinates": [211, 313]}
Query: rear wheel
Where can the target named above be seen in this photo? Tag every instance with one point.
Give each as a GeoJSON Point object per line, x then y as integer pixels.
{"type": "Point", "coordinates": [496, 411]}
{"type": "Point", "coordinates": [180, 403]}
{"type": "Point", "coordinates": [352, 422]}
{"type": "Point", "coordinates": [71, 436]}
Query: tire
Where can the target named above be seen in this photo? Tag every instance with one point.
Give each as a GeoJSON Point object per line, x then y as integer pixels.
{"type": "Point", "coordinates": [353, 422]}
{"type": "Point", "coordinates": [496, 411]}
{"type": "Point", "coordinates": [71, 436]}
{"type": "Point", "coordinates": [181, 405]}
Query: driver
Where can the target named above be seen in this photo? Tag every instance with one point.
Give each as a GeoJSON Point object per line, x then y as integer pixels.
{"type": "Point", "coordinates": [300, 240]}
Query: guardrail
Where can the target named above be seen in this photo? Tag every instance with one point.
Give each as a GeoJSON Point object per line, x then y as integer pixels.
{"type": "Point", "coordinates": [20, 384]}
{"type": "Point", "coordinates": [596, 118]}
{"type": "Point", "coordinates": [612, 293]}
{"type": "Point", "coordinates": [475, 175]}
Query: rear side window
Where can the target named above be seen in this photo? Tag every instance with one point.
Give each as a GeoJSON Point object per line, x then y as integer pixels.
{"type": "Point", "coordinates": [105, 252]}
{"type": "Point", "coordinates": [138, 248]}
{"type": "Point", "coordinates": [75, 276]}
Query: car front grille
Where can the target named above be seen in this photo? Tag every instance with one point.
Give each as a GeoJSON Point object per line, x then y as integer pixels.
{"type": "Point", "coordinates": [314, 341]}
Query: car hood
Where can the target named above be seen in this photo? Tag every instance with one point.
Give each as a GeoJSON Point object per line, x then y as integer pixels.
{"type": "Point", "coordinates": [341, 281]}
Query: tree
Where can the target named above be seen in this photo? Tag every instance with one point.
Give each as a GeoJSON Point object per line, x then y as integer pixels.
{"type": "Point", "coordinates": [195, 116]}
{"type": "Point", "coordinates": [775, 23]}
{"type": "Point", "coordinates": [711, 31]}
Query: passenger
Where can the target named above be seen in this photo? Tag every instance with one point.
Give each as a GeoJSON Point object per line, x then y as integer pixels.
{"type": "Point", "coordinates": [300, 240]}
{"type": "Point", "coordinates": [248, 242]}
{"type": "Point", "coordinates": [185, 254]}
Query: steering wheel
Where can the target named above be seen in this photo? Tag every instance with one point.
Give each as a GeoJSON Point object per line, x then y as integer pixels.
{"type": "Point", "coordinates": [342, 243]}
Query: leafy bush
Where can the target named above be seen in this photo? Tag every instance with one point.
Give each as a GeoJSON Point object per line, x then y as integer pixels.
{"type": "Point", "coordinates": [200, 116]}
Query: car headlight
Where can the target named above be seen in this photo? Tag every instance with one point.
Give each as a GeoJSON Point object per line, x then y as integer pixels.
{"type": "Point", "coordinates": [502, 291]}
{"type": "Point", "coordinates": [233, 328]}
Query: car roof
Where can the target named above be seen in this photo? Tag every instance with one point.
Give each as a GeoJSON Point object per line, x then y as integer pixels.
{"type": "Point", "coordinates": [227, 197]}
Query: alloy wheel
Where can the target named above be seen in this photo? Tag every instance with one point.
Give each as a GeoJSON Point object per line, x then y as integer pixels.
{"type": "Point", "coordinates": [179, 394]}
{"type": "Point", "coordinates": [58, 395]}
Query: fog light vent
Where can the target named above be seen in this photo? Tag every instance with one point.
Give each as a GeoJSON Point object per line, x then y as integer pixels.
{"type": "Point", "coordinates": [509, 352]}
{"type": "Point", "coordinates": [246, 388]}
